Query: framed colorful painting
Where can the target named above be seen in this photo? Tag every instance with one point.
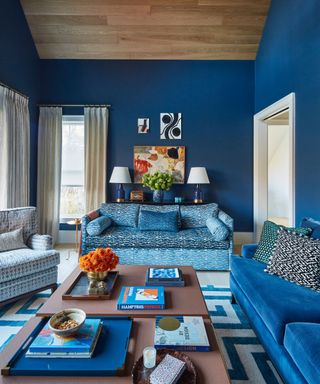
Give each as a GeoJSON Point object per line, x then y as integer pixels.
{"type": "Point", "coordinates": [150, 159]}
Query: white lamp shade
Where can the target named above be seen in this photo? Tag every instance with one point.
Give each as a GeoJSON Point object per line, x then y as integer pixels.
{"type": "Point", "coordinates": [120, 175]}
{"type": "Point", "coordinates": [198, 175]}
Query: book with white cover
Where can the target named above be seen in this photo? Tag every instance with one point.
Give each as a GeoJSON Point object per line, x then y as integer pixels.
{"type": "Point", "coordinates": [183, 333]}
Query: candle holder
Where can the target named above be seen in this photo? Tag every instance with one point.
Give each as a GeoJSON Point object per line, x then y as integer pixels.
{"type": "Point", "coordinates": [149, 357]}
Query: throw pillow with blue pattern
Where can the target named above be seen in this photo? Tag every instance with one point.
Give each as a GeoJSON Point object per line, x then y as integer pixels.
{"type": "Point", "coordinates": [158, 221]}
{"type": "Point", "coordinates": [124, 215]}
{"type": "Point", "coordinates": [218, 229]}
{"type": "Point", "coordinates": [98, 225]}
{"type": "Point", "coordinates": [164, 208]}
{"type": "Point", "coordinates": [269, 237]}
{"type": "Point", "coordinates": [195, 216]}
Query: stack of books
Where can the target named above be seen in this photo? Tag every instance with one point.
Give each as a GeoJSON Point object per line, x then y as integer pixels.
{"type": "Point", "coordinates": [80, 345]}
{"type": "Point", "coordinates": [166, 277]}
{"type": "Point", "coordinates": [182, 333]}
{"type": "Point", "coordinates": [133, 298]}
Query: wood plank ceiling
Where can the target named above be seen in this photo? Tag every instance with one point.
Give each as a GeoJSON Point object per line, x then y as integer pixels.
{"type": "Point", "coordinates": [146, 29]}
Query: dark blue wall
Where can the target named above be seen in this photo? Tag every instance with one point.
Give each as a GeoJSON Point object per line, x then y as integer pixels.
{"type": "Point", "coordinates": [216, 99]}
{"type": "Point", "coordinates": [289, 61]}
{"type": "Point", "coordinates": [19, 68]}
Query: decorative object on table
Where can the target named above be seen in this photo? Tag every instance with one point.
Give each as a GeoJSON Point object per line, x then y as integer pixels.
{"type": "Point", "coordinates": [120, 175]}
{"type": "Point", "coordinates": [198, 175]}
{"type": "Point", "coordinates": [144, 298]}
{"type": "Point", "coordinates": [79, 289]}
{"type": "Point", "coordinates": [80, 345]}
{"type": "Point", "coordinates": [136, 196]}
{"type": "Point", "coordinates": [97, 264]}
{"type": "Point", "coordinates": [166, 277]}
{"type": "Point", "coordinates": [110, 359]}
{"type": "Point", "coordinates": [150, 159]}
{"type": "Point", "coordinates": [178, 199]}
{"type": "Point", "coordinates": [158, 182]}
{"type": "Point", "coordinates": [140, 375]}
{"type": "Point", "coordinates": [168, 371]}
{"type": "Point", "coordinates": [170, 126]}
{"type": "Point", "coordinates": [67, 322]}
{"type": "Point", "coordinates": [143, 125]}
{"type": "Point", "coordinates": [183, 333]}
{"type": "Point", "coordinates": [149, 357]}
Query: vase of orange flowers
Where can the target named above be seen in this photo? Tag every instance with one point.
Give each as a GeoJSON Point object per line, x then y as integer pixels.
{"type": "Point", "coordinates": [97, 264]}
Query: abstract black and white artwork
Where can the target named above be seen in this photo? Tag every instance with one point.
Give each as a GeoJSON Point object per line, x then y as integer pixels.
{"type": "Point", "coordinates": [170, 126]}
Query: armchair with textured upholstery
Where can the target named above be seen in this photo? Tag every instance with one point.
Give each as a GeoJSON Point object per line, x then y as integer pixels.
{"type": "Point", "coordinates": [30, 269]}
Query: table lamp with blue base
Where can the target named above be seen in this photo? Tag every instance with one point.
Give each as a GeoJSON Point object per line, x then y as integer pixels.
{"type": "Point", "coordinates": [120, 175]}
{"type": "Point", "coordinates": [198, 175]}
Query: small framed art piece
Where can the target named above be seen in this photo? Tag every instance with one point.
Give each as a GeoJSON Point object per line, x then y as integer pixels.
{"type": "Point", "coordinates": [136, 196]}
{"type": "Point", "coordinates": [143, 125]}
{"type": "Point", "coordinates": [170, 126]}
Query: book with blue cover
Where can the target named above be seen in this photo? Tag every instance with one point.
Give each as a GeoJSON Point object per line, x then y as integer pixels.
{"type": "Point", "coordinates": [183, 333]}
{"type": "Point", "coordinates": [165, 277]}
{"type": "Point", "coordinates": [108, 359]}
{"type": "Point", "coordinates": [82, 344]}
{"type": "Point", "coordinates": [133, 298]}
{"type": "Point", "coordinates": [164, 274]}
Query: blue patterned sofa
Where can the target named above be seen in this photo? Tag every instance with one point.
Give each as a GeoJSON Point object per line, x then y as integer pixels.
{"type": "Point", "coordinates": [26, 270]}
{"type": "Point", "coordinates": [193, 244]}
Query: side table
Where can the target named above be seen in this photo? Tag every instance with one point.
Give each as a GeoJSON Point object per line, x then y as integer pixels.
{"type": "Point", "coordinates": [75, 222]}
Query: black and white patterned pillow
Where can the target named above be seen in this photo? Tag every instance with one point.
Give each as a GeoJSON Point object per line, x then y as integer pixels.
{"type": "Point", "coordinates": [296, 258]}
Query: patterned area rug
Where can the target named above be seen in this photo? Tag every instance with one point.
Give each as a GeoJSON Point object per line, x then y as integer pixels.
{"type": "Point", "coordinates": [246, 359]}
{"type": "Point", "coordinates": [14, 316]}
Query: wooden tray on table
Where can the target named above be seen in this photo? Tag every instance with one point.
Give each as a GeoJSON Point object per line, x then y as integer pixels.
{"type": "Point", "coordinates": [78, 290]}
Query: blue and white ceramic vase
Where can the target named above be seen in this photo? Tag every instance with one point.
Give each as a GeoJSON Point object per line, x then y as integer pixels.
{"type": "Point", "coordinates": [158, 196]}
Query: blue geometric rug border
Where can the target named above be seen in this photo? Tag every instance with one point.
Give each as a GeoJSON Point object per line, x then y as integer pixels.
{"type": "Point", "coordinates": [246, 359]}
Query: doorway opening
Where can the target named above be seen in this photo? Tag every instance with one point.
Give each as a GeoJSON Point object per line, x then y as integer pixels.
{"type": "Point", "coordinates": [274, 174]}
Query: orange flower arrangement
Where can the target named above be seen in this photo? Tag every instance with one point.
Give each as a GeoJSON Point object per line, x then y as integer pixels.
{"type": "Point", "coordinates": [100, 260]}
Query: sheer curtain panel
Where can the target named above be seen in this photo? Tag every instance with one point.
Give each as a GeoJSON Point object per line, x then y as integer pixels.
{"type": "Point", "coordinates": [49, 169]}
{"type": "Point", "coordinates": [96, 135]}
{"type": "Point", "coordinates": [14, 149]}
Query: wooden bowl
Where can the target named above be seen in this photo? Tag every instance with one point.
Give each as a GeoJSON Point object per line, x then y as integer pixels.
{"type": "Point", "coordinates": [140, 374]}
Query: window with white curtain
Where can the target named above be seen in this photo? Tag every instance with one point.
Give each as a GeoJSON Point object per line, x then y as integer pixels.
{"type": "Point", "coordinates": [72, 198]}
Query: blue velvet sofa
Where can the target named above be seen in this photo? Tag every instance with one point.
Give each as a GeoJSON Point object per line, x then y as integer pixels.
{"type": "Point", "coordinates": [193, 244]}
{"type": "Point", "coordinates": [284, 315]}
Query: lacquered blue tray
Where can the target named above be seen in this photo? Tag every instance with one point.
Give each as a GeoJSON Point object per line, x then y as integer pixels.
{"type": "Point", "coordinates": [108, 358]}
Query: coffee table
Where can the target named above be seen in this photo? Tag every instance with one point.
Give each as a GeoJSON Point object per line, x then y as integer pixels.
{"type": "Point", "coordinates": [187, 301]}
{"type": "Point", "coordinates": [210, 366]}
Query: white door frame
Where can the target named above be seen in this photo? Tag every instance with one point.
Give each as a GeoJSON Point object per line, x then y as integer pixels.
{"type": "Point", "coordinates": [260, 165]}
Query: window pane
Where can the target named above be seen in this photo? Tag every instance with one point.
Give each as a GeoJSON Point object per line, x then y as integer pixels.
{"type": "Point", "coordinates": [72, 176]}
